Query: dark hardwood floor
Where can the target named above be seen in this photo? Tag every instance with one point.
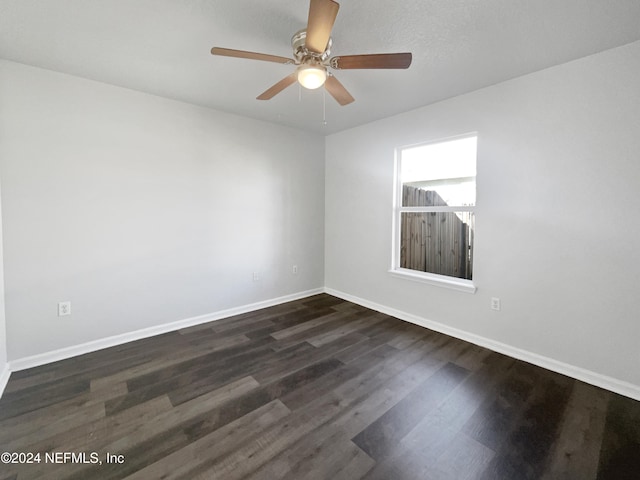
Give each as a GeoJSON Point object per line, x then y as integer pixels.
{"type": "Point", "coordinates": [318, 388]}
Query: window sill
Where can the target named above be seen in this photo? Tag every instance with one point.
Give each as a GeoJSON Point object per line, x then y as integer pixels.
{"type": "Point", "coordinates": [453, 283]}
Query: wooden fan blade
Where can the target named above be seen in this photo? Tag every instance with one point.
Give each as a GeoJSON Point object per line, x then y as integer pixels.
{"type": "Point", "coordinates": [278, 87]}
{"type": "Point", "coordinates": [228, 52]}
{"type": "Point", "coordinates": [378, 60]}
{"type": "Point", "coordinates": [337, 91]}
{"type": "Point", "coordinates": [322, 15]}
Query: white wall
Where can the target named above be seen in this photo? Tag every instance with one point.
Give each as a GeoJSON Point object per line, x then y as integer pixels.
{"type": "Point", "coordinates": [557, 213]}
{"type": "Point", "coordinates": [143, 211]}
{"type": "Point", "coordinates": [4, 366]}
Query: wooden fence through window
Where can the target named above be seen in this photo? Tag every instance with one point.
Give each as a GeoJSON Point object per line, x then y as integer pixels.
{"type": "Point", "coordinates": [435, 242]}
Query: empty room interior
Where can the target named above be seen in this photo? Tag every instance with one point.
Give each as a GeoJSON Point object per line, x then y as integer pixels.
{"type": "Point", "coordinates": [319, 240]}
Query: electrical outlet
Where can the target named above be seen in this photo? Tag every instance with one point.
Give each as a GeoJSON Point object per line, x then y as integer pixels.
{"type": "Point", "coordinates": [64, 308]}
{"type": "Point", "coordinates": [256, 276]}
{"type": "Point", "coordinates": [294, 269]}
{"type": "Point", "coordinates": [495, 303]}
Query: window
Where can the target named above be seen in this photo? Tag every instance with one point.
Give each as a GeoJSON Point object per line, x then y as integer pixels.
{"type": "Point", "coordinates": [434, 212]}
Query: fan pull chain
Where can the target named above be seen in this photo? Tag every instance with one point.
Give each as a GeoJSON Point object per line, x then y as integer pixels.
{"type": "Point", "coordinates": [324, 109]}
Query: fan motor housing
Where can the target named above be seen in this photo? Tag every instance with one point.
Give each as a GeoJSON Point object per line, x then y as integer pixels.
{"type": "Point", "coordinates": [302, 54]}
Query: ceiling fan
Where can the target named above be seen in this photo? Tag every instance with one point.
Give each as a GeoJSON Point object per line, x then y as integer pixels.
{"type": "Point", "coordinates": [311, 49]}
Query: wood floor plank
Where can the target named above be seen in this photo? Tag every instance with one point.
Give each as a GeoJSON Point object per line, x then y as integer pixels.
{"type": "Point", "coordinates": [316, 388]}
{"type": "Point", "coordinates": [333, 322]}
{"type": "Point", "coordinates": [576, 451]}
{"type": "Point", "coordinates": [180, 364]}
{"type": "Point", "coordinates": [365, 322]}
{"type": "Point", "coordinates": [419, 451]}
{"type": "Point", "coordinates": [407, 336]}
{"type": "Point", "coordinates": [100, 431]}
{"type": "Point", "coordinates": [254, 366]}
{"type": "Point", "coordinates": [130, 373]}
{"type": "Point", "coordinates": [491, 422]}
{"type": "Point", "coordinates": [258, 397]}
{"type": "Point", "coordinates": [334, 457]}
{"type": "Point", "coordinates": [620, 453]}
{"type": "Point", "coordinates": [293, 361]}
{"type": "Point", "coordinates": [186, 380]}
{"type": "Point", "coordinates": [300, 316]}
{"type": "Point", "coordinates": [381, 437]}
{"type": "Point", "coordinates": [343, 400]}
{"type": "Point", "coordinates": [321, 300]}
{"type": "Point", "coordinates": [204, 452]}
{"type": "Point", "coordinates": [131, 435]}
{"type": "Point", "coordinates": [36, 432]}
{"type": "Point", "coordinates": [25, 424]}
{"type": "Point", "coordinates": [357, 465]}
{"type": "Point", "coordinates": [36, 397]}
{"type": "Point", "coordinates": [363, 399]}
{"type": "Point", "coordinates": [526, 446]}
{"type": "Point", "coordinates": [382, 332]}
{"type": "Point", "coordinates": [473, 357]}
{"type": "Point", "coordinates": [465, 459]}
{"type": "Point", "coordinates": [300, 327]}
{"type": "Point", "coordinates": [327, 383]}
{"type": "Point", "coordinates": [109, 359]}
{"type": "Point", "coordinates": [248, 330]}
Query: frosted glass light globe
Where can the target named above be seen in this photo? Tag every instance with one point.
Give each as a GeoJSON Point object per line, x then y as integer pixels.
{"type": "Point", "coordinates": [311, 76]}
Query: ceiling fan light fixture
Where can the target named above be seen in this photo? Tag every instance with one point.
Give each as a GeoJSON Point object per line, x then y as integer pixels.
{"type": "Point", "coordinates": [311, 53]}
{"type": "Point", "coordinates": [312, 76]}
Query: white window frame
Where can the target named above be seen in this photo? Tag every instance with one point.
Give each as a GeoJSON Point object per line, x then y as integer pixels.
{"type": "Point", "coordinates": [459, 284]}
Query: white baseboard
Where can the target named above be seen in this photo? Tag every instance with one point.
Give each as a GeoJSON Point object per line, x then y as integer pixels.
{"type": "Point", "coordinates": [609, 383]}
{"type": "Point", "coordinates": [92, 346]}
{"type": "Point", "coordinates": [4, 378]}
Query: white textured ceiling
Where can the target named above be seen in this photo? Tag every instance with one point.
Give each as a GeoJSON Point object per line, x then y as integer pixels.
{"type": "Point", "coordinates": [163, 47]}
